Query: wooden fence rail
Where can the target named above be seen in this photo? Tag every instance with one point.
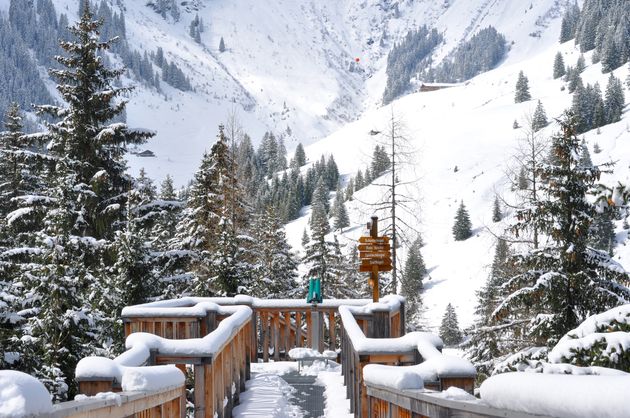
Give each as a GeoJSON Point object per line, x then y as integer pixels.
{"type": "Point", "coordinates": [391, 403]}
{"type": "Point", "coordinates": [167, 402]}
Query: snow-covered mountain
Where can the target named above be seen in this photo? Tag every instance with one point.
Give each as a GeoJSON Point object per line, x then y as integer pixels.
{"type": "Point", "coordinates": [290, 67]}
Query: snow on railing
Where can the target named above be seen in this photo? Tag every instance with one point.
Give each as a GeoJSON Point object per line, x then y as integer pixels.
{"type": "Point", "coordinates": [207, 346]}
{"type": "Point", "coordinates": [144, 394]}
{"type": "Point", "coordinates": [22, 395]}
{"type": "Point", "coordinates": [411, 361]}
{"type": "Point", "coordinates": [220, 355]}
{"type": "Point", "coordinates": [559, 394]}
{"type": "Point", "coordinates": [196, 305]}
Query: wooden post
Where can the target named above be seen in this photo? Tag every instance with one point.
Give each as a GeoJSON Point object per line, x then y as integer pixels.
{"type": "Point", "coordinates": [200, 390]}
{"type": "Point", "coordinates": [276, 335]}
{"type": "Point", "coordinates": [374, 273]}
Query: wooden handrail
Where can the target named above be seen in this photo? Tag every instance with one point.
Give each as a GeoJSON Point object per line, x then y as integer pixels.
{"type": "Point", "coordinates": [392, 403]}
{"type": "Point", "coordinates": [167, 402]}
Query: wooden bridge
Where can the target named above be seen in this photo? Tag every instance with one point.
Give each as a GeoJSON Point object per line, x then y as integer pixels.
{"type": "Point", "coordinates": [218, 338]}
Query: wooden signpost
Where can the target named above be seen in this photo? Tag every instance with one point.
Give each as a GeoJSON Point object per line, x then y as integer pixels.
{"type": "Point", "coordinates": [375, 255]}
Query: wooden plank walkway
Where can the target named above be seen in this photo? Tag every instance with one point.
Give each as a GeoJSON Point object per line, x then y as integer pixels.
{"type": "Point", "coordinates": [308, 396]}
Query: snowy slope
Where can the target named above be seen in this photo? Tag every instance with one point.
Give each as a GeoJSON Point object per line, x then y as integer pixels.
{"type": "Point", "coordinates": [468, 126]}
{"type": "Point", "coordinates": [290, 64]}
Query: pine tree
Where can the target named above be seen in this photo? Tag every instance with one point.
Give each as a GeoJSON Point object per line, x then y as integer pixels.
{"type": "Point", "coordinates": [339, 212]}
{"type": "Point", "coordinates": [563, 282]}
{"type": "Point", "coordinates": [462, 227]}
{"type": "Point", "coordinates": [574, 80]}
{"type": "Point", "coordinates": [380, 161]}
{"type": "Point", "coordinates": [411, 285]}
{"type": "Point", "coordinates": [305, 238]}
{"type": "Point", "coordinates": [88, 194]}
{"type": "Point", "coordinates": [213, 226]}
{"type": "Point", "coordinates": [569, 23]}
{"type": "Point", "coordinates": [486, 343]}
{"type": "Point", "coordinates": [61, 316]}
{"type": "Point", "coordinates": [320, 196]}
{"type": "Point", "coordinates": [580, 65]}
{"type": "Point", "coordinates": [558, 66]}
{"type": "Point", "coordinates": [522, 89]}
{"type": "Point", "coordinates": [222, 45]}
{"type": "Point", "coordinates": [299, 157]}
{"type": "Point", "coordinates": [449, 329]}
{"type": "Point", "coordinates": [349, 190]}
{"type": "Point", "coordinates": [496, 210]}
{"type": "Point", "coordinates": [342, 280]}
{"type": "Point", "coordinates": [21, 179]}
{"type": "Point", "coordinates": [275, 271]}
{"type": "Point", "coordinates": [318, 249]}
{"type": "Point", "coordinates": [539, 119]}
{"type": "Point", "coordinates": [585, 157]}
{"type": "Point", "coordinates": [614, 99]}
{"type": "Point", "coordinates": [359, 182]}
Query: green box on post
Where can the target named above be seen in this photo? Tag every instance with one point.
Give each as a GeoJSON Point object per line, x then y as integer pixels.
{"type": "Point", "coordinates": [314, 291]}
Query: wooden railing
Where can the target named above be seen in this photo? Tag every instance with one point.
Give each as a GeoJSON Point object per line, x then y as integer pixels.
{"type": "Point", "coordinates": [214, 340]}
{"type": "Point", "coordinates": [167, 402]}
{"type": "Point", "coordinates": [385, 402]}
{"type": "Point", "coordinates": [374, 335]}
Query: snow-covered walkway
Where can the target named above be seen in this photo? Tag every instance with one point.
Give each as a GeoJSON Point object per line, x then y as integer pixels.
{"type": "Point", "coordinates": [316, 391]}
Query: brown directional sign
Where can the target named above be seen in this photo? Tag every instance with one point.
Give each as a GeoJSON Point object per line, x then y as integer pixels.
{"type": "Point", "coordinates": [363, 256]}
{"type": "Point", "coordinates": [374, 240]}
{"type": "Point", "coordinates": [376, 262]}
{"type": "Point", "coordinates": [374, 247]}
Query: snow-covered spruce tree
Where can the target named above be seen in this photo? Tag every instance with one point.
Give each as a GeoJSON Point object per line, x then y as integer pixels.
{"type": "Point", "coordinates": [488, 342]}
{"type": "Point", "coordinates": [275, 266]}
{"type": "Point", "coordinates": [22, 179]}
{"type": "Point", "coordinates": [85, 134]}
{"type": "Point", "coordinates": [299, 157]}
{"type": "Point", "coordinates": [449, 329]}
{"type": "Point", "coordinates": [324, 258]}
{"type": "Point", "coordinates": [522, 89]}
{"type": "Point", "coordinates": [539, 120]}
{"type": "Point", "coordinates": [462, 229]}
{"type": "Point", "coordinates": [564, 281]}
{"type": "Point", "coordinates": [221, 45]}
{"type": "Point", "coordinates": [213, 229]}
{"type": "Point", "coordinates": [411, 285]}
{"type": "Point", "coordinates": [318, 249]}
{"type": "Point", "coordinates": [131, 268]}
{"type": "Point", "coordinates": [585, 157]}
{"type": "Point", "coordinates": [87, 195]}
{"type": "Point", "coordinates": [380, 161]}
{"type": "Point", "coordinates": [570, 21]}
{"type": "Point", "coordinates": [339, 212]}
{"type": "Point", "coordinates": [497, 215]}
{"type": "Point", "coordinates": [24, 202]}
{"type": "Point", "coordinates": [305, 238]}
{"type": "Point", "coordinates": [167, 209]}
{"type": "Point", "coordinates": [320, 196]}
{"type": "Point", "coordinates": [614, 99]}
{"type": "Point", "coordinates": [60, 324]}
{"type": "Point", "coordinates": [599, 341]}
{"type": "Point", "coordinates": [343, 281]}
{"type": "Point", "coordinates": [558, 66]}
